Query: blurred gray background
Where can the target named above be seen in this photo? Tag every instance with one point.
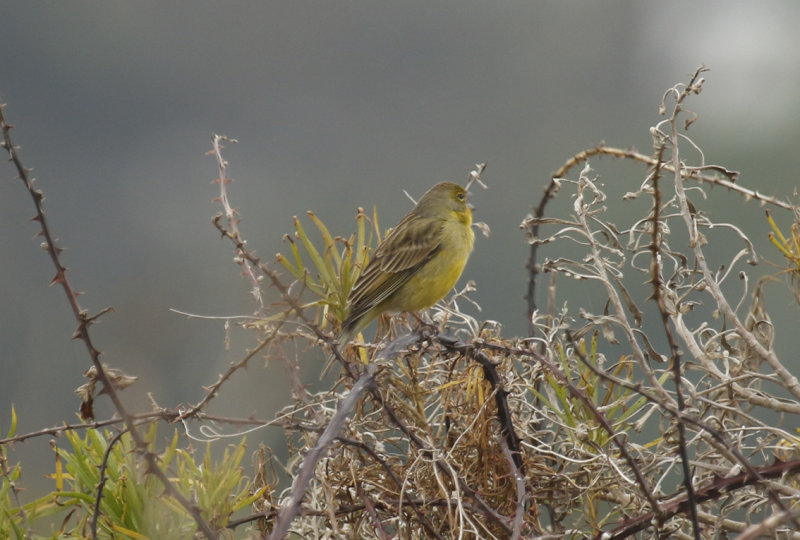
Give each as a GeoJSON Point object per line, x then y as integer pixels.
{"type": "Point", "coordinates": [336, 105]}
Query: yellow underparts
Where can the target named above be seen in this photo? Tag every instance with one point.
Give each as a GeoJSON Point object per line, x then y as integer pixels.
{"type": "Point", "coordinates": [439, 275]}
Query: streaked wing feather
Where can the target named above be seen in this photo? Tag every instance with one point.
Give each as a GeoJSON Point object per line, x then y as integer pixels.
{"type": "Point", "coordinates": [410, 244]}
{"type": "Point", "coordinates": [369, 297]}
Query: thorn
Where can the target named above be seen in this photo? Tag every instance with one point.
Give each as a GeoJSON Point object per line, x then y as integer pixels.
{"type": "Point", "coordinates": [59, 278]}
{"type": "Point", "coordinates": [93, 318]}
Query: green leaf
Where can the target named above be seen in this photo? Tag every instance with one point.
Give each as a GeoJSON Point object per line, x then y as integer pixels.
{"type": "Point", "coordinates": [13, 428]}
{"type": "Point", "coordinates": [330, 244]}
{"type": "Point", "coordinates": [316, 258]}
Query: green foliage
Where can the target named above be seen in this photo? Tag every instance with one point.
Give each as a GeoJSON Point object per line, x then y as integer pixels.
{"type": "Point", "coordinates": [134, 503]}
{"type": "Point", "coordinates": [789, 248]}
{"type": "Point", "coordinates": [330, 274]}
{"type": "Point", "coordinates": [11, 523]}
{"type": "Point", "coordinates": [618, 403]}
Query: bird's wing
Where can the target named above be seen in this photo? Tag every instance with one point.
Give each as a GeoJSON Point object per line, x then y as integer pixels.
{"type": "Point", "coordinates": [410, 244]}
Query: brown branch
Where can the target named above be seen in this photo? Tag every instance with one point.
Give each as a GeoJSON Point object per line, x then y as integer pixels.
{"type": "Point", "coordinates": [231, 216]}
{"type": "Point", "coordinates": [103, 466]}
{"type": "Point", "coordinates": [532, 267]}
{"type": "Point", "coordinates": [717, 488]}
{"type": "Point", "coordinates": [501, 397]}
{"type": "Point", "coordinates": [84, 321]}
{"type": "Point", "coordinates": [675, 352]}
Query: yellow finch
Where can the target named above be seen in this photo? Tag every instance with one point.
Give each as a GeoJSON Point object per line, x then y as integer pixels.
{"type": "Point", "coordinates": [417, 263]}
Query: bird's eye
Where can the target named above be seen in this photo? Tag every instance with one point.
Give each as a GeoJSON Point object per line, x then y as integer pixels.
{"type": "Point", "coordinates": [461, 196]}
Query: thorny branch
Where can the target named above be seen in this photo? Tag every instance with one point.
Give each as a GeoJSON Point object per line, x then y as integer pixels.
{"type": "Point", "coordinates": [84, 321]}
{"type": "Point", "coordinates": [674, 349]}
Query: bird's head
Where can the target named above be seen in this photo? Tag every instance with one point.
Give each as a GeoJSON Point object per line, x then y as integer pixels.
{"type": "Point", "coordinates": [445, 200]}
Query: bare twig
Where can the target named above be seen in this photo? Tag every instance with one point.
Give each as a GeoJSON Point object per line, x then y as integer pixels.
{"type": "Point", "coordinates": [533, 231]}
{"type": "Point", "coordinates": [675, 352]}
{"type": "Point", "coordinates": [231, 217]}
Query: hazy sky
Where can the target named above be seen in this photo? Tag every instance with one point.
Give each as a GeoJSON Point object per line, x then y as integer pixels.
{"type": "Point", "coordinates": [336, 105]}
